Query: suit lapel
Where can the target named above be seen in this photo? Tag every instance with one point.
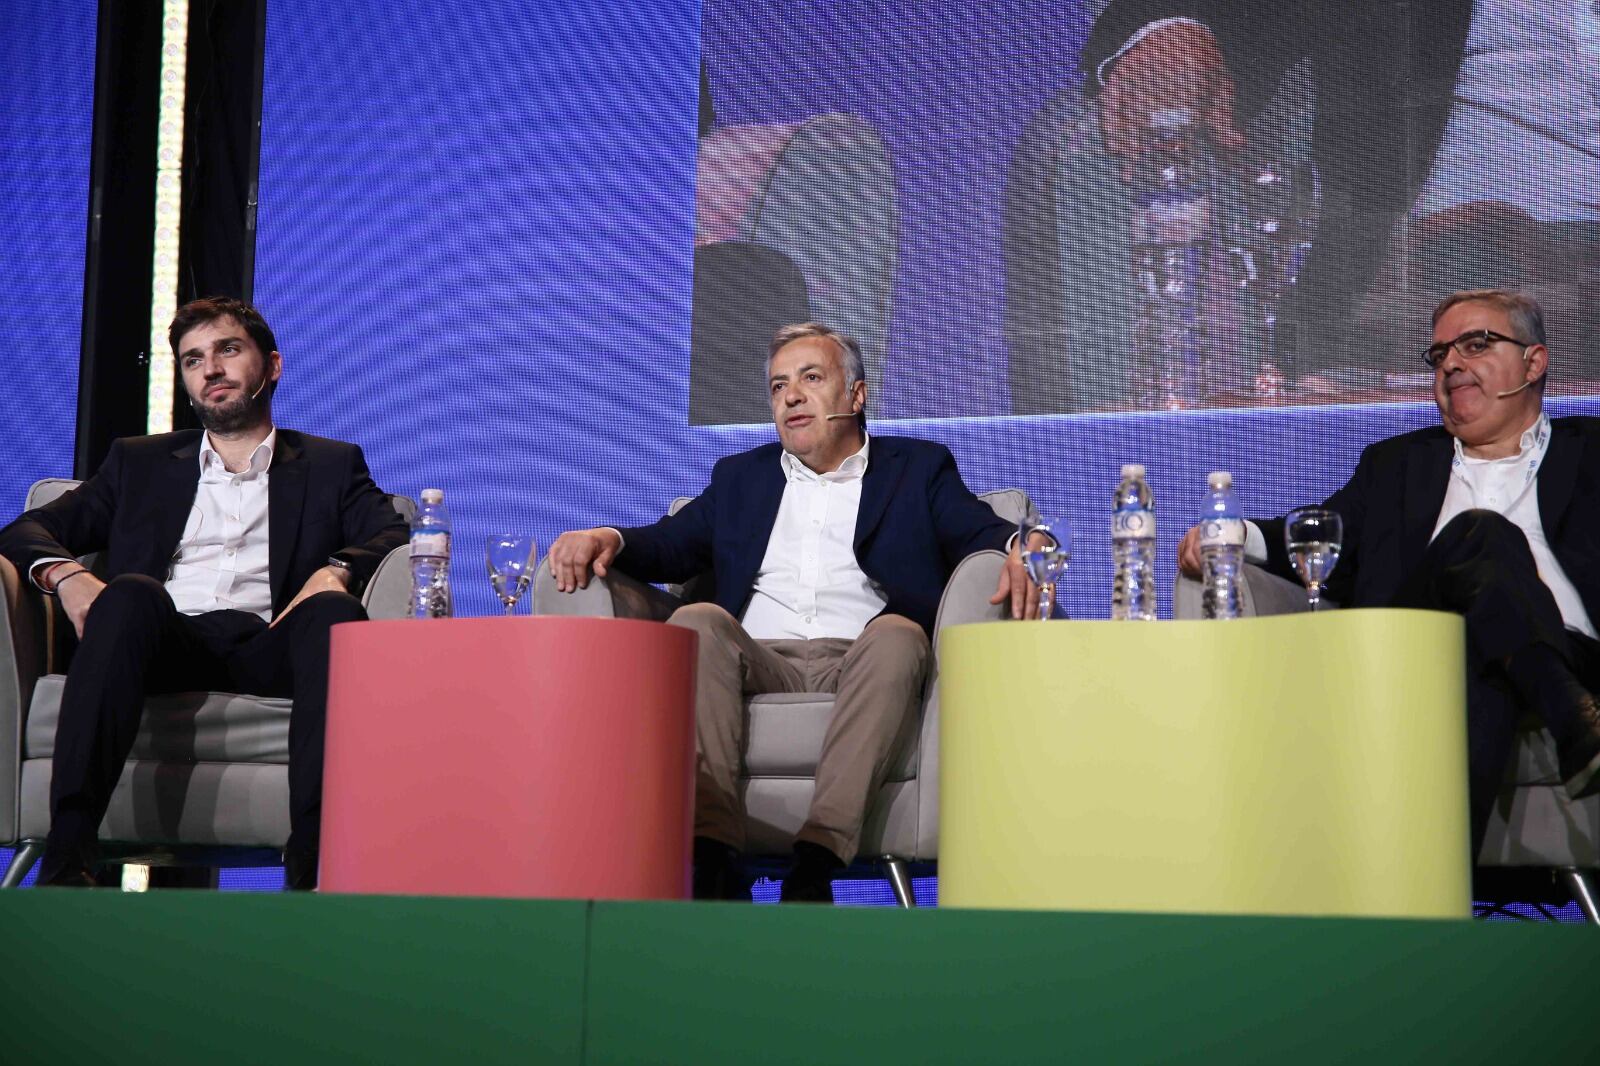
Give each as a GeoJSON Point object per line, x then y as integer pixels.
{"type": "Point", "coordinates": [286, 490]}
{"type": "Point", "coordinates": [885, 464]}
{"type": "Point", "coordinates": [1558, 475]}
{"type": "Point", "coordinates": [1427, 478]}
{"type": "Point", "coordinates": [173, 499]}
{"type": "Point", "coordinates": [766, 496]}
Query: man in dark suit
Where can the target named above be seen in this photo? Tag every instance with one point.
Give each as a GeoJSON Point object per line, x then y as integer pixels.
{"type": "Point", "coordinates": [229, 555]}
{"type": "Point", "coordinates": [1492, 515]}
{"type": "Point", "coordinates": [829, 552]}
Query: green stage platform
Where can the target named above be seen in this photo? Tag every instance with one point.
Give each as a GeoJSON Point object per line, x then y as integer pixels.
{"type": "Point", "coordinates": [182, 977]}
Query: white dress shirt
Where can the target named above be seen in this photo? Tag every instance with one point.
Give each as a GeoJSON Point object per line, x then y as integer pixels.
{"type": "Point", "coordinates": [1508, 487]}
{"type": "Point", "coordinates": [810, 584]}
{"type": "Point", "coordinates": [222, 558]}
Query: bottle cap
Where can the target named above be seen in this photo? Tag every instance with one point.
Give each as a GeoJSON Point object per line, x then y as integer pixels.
{"type": "Point", "coordinates": [1220, 479]}
{"type": "Point", "coordinates": [433, 495]}
{"type": "Point", "coordinates": [1132, 470]}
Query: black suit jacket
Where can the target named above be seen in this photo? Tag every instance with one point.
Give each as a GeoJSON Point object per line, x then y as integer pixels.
{"type": "Point", "coordinates": [321, 502]}
{"type": "Point", "coordinates": [917, 520]}
{"type": "Point", "coordinates": [1392, 501]}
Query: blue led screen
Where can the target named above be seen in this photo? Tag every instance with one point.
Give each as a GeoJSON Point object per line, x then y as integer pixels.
{"type": "Point", "coordinates": [531, 255]}
{"type": "Point", "coordinates": [46, 124]}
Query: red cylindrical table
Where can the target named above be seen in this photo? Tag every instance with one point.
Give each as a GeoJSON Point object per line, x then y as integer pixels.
{"type": "Point", "coordinates": [540, 757]}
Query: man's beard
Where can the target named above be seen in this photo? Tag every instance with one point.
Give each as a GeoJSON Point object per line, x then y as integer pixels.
{"type": "Point", "coordinates": [239, 412]}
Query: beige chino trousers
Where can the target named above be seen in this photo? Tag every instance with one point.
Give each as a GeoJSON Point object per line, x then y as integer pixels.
{"type": "Point", "coordinates": [877, 682]}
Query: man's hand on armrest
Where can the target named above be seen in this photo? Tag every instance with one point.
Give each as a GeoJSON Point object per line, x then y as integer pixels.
{"type": "Point", "coordinates": [1189, 553]}
{"type": "Point", "coordinates": [1255, 549]}
{"type": "Point", "coordinates": [580, 552]}
{"type": "Point", "coordinates": [1016, 586]}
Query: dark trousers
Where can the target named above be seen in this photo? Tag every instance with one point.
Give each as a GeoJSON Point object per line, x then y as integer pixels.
{"type": "Point", "coordinates": [136, 643]}
{"type": "Point", "coordinates": [1480, 567]}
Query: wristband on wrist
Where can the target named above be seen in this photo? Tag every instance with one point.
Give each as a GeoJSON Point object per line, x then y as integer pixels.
{"type": "Point", "coordinates": [56, 588]}
{"type": "Point", "coordinates": [340, 564]}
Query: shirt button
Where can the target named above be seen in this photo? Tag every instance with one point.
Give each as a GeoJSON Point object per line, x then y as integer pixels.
{"type": "Point", "coordinates": [810, 618]}
{"type": "Point", "coordinates": [230, 552]}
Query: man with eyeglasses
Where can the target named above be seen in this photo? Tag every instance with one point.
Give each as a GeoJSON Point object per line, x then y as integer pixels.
{"type": "Point", "coordinates": [1492, 515]}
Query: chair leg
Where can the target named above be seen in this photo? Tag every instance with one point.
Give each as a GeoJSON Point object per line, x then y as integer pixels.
{"type": "Point", "coordinates": [900, 881]}
{"type": "Point", "coordinates": [1582, 887]}
{"type": "Point", "coordinates": [22, 861]}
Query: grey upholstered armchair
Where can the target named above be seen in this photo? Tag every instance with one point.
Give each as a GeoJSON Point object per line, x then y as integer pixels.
{"type": "Point", "coordinates": [785, 730]}
{"type": "Point", "coordinates": [207, 782]}
{"type": "Point", "coordinates": [1534, 822]}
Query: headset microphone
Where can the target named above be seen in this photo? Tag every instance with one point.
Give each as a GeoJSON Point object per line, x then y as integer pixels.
{"type": "Point", "coordinates": [1513, 392]}
{"type": "Point", "coordinates": [847, 414]}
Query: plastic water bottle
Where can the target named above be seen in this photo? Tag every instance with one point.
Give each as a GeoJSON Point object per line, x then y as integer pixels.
{"type": "Point", "coordinates": [1133, 548]}
{"type": "Point", "coordinates": [430, 557]}
{"type": "Point", "coordinates": [1173, 238]}
{"type": "Point", "coordinates": [1221, 548]}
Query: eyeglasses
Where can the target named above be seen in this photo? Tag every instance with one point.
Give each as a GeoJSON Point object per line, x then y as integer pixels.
{"type": "Point", "coordinates": [1470, 345]}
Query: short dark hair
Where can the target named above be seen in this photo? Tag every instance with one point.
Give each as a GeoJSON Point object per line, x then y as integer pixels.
{"type": "Point", "coordinates": [199, 312]}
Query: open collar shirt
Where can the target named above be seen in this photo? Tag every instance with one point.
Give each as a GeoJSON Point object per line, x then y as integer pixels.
{"type": "Point", "coordinates": [810, 584]}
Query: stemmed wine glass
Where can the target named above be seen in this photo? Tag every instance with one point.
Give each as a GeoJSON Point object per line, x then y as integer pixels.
{"type": "Point", "coordinates": [510, 558]}
{"type": "Point", "coordinates": [1046, 543]}
{"type": "Point", "coordinates": [1314, 536]}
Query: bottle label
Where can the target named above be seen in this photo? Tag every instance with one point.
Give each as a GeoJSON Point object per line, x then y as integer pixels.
{"type": "Point", "coordinates": [1132, 525]}
{"type": "Point", "coordinates": [1222, 533]}
{"type": "Point", "coordinates": [435, 545]}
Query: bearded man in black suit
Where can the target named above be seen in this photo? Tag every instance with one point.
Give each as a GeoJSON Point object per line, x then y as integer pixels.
{"type": "Point", "coordinates": [230, 553]}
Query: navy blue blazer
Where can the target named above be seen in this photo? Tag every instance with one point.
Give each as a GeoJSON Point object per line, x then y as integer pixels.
{"type": "Point", "coordinates": [917, 521]}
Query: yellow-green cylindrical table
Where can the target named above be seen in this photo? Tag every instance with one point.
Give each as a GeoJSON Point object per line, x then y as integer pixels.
{"type": "Point", "coordinates": [1299, 764]}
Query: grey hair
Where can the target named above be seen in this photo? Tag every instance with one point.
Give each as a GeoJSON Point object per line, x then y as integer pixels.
{"type": "Point", "coordinates": [849, 348]}
{"type": "Point", "coordinates": [1523, 310]}
{"type": "Point", "coordinates": [849, 352]}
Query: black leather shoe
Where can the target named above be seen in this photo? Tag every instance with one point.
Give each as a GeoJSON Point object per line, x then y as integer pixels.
{"type": "Point", "coordinates": [67, 868]}
{"type": "Point", "coordinates": [719, 871]}
{"type": "Point", "coordinates": [300, 869]}
{"type": "Point", "coordinates": [810, 877]}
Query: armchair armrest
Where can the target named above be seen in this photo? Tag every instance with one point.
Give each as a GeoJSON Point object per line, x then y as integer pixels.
{"type": "Point", "coordinates": [24, 639]}
{"type": "Point", "coordinates": [966, 595]}
{"type": "Point", "coordinates": [388, 594]}
{"type": "Point", "coordinates": [614, 596]}
{"type": "Point", "coordinates": [1261, 594]}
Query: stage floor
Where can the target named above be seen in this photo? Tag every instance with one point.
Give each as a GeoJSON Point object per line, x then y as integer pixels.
{"type": "Point", "coordinates": [244, 978]}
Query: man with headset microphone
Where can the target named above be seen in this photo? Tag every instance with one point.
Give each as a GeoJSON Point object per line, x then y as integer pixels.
{"type": "Point", "coordinates": [230, 553]}
{"type": "Point", "coordinates": [1493, 515]}
{"type": "Point", "coordinates": [830, 550]}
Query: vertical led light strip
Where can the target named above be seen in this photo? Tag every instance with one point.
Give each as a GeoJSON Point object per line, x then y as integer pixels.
{"type": "Point", "coordinates": [169, 203]}
{"type": "Point", "coordinates": [164, 262]}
